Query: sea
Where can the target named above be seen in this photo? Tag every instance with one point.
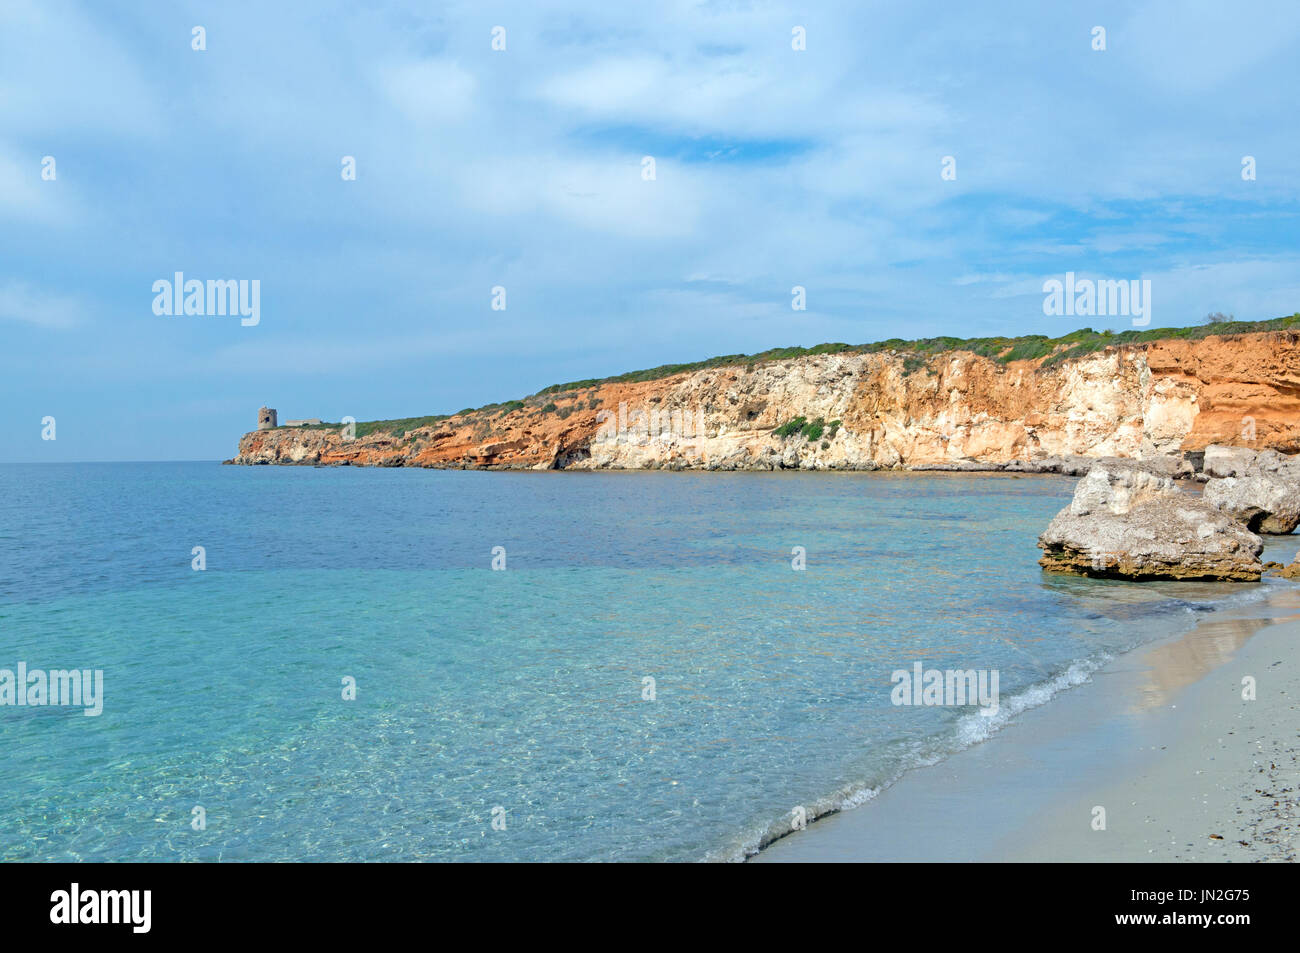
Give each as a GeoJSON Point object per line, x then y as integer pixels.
{"type": "Point", "coordinates": [352, 664]}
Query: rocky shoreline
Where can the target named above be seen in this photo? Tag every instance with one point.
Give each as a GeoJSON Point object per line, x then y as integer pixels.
{"type": "Point", "coordinates": [1131, 520]}
{"type": "Point", "coordinates": [1134, 421]}
{"type": "Point", "coordinates": [950, 410]}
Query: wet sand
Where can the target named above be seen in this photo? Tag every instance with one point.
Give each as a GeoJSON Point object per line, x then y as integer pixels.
{"type": "Point", "coordinates": [1161, 738]}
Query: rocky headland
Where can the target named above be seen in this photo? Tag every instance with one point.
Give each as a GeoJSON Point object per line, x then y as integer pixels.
{"type": "Point", "coordinates": [1132, 413]}
{"type": "Point", "coordinates": [961, 405]}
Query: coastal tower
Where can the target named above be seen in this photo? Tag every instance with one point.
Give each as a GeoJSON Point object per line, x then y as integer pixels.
{"type": "Point", "coordinates": [266, 418]}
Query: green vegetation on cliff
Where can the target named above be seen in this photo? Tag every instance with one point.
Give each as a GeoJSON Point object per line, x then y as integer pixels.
{"type": "Point", "coordinates": [810, 430]}
{"type": "Point", "coordinates": [1001, 349]}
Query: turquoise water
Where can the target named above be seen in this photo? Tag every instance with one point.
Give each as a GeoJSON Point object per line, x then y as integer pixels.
{"type": "Point", "coordinates": [519, 689]}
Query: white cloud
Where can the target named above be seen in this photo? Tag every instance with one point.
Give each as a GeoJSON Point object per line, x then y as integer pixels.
{"type": "Point", "coordinates": [429, 90]}
{"type": "Point", "coordinates": [1196, 45]}
{"type": "Point", "coordinates": [22, 302]}
{"type": "Point", "coordinates": [605, 194]}
{"type": "Point", "coordinates": [64, 70]}
{"type": "Point", "coordinates": [702, 94]}
{"type": "Point", "coordinates": [28, 198]}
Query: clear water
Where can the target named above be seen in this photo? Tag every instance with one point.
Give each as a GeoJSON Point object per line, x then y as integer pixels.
{"type": "Point", "coordinates": [519, 689]}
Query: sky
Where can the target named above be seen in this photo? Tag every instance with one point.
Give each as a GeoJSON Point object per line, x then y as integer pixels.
{"type": "Point", "coordinates": [917, 168]}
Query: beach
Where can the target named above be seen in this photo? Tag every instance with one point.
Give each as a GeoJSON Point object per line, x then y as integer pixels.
{"type": "Point", "coordinates": [1161, 738]}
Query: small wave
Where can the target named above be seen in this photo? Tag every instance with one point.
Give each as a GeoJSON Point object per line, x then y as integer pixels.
{"type": "Point", "coordinates": [969, 730]}
{"type": "Point", "coordinates": [1245, 597]}
{"type": "Point", "coordinates": [973, 728]}
{"type": "Point", "coordinates": [1212, 602]}
{"type": "Point", "coordinates": [977, 727]}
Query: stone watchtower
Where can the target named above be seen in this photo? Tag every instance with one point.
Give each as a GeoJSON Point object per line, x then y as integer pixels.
{"type": "Point", "coordinates": [266, 418]}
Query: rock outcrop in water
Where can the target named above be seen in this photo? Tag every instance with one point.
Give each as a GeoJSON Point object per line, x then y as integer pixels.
{"type": "Point", "coordinates": [1132, 522]}
{"type": "Point", "coordinates": [1263, 492]}
{"type": "Point", "coordinates": [862, 411]}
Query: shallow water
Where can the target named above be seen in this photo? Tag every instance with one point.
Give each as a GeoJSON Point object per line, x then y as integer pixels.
{"type": "Point", "coordinates": [519, 689]}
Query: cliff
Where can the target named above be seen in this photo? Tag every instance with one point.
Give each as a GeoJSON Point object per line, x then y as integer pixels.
{"type": "Point", "coordinates": [860, 409]}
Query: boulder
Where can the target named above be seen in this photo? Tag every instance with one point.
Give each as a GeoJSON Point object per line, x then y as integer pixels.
{"type": "Point", "coordinates": [1169, 464]}
{"type": "Point", "coordinates": [1264, 495]}
{"type": "Point", "coordinates": [1130, 521]}
{"type": "Point", "coordinates": [1220, 461]}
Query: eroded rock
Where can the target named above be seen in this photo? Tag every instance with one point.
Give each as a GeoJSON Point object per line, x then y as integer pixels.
{"type": "Point", "coordinates": [1221, 461]}
{"type": "Point", "coordinates": [1264, 494]}
{"type": "Point", "coordinates": [1133, 522]}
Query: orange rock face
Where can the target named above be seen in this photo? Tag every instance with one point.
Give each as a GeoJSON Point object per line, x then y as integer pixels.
{"type": "Point", "coordinates": [877, 410]}
{"type": "Point", "coordinates": [1248, 387]}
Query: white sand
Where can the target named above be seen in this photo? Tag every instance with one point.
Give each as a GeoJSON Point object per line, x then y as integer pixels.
{"type": "Point", "coordinates": [1161, 738]}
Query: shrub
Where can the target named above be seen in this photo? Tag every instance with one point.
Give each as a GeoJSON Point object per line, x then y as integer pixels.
{"type": "Point", "coordinates": [800, 425]}
{"type": "Point", "coordinates": [791, 427]}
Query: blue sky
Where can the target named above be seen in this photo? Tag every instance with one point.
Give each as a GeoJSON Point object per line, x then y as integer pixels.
{"type": "Point", "coordinates": [522, 168]}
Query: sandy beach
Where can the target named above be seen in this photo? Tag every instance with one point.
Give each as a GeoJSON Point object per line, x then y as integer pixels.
{"type": "Point", "coordinates": [1161, 738]}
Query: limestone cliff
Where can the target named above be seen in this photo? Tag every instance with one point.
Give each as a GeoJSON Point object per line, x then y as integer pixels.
{"type": "Point", "coordinates": [883, 409]}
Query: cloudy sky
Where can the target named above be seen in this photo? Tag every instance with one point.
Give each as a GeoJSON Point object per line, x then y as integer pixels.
{"type": "Point", "coordinates": [523, 168]}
